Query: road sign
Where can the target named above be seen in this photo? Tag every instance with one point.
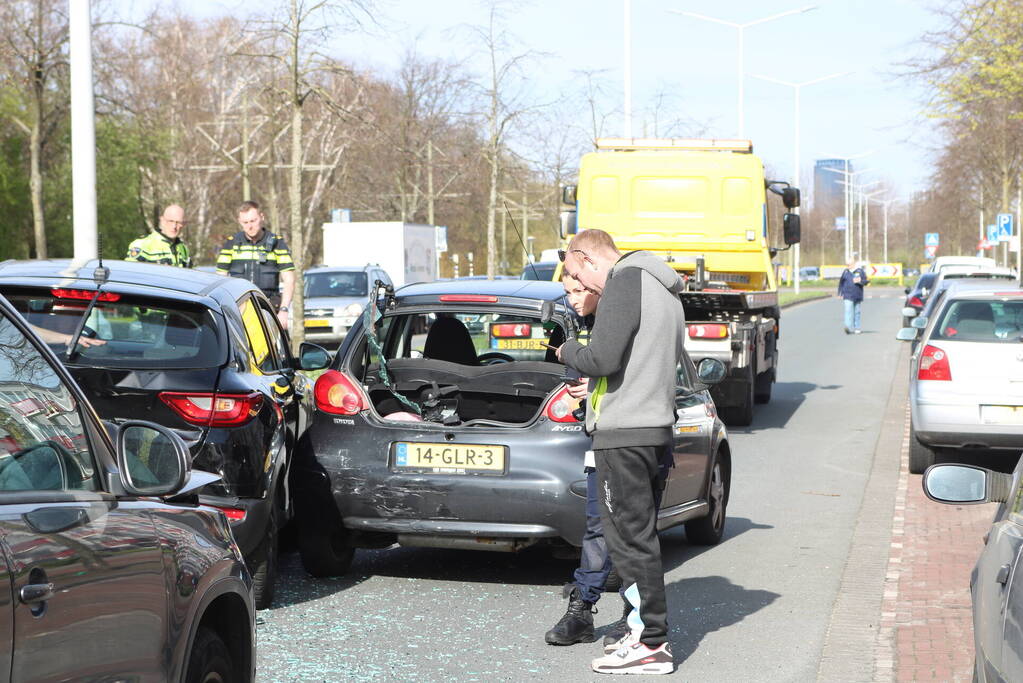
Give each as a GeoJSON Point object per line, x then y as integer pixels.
{"type": "Point", "coordinates": [841, 223]}
{"type": "Point", "coordinates": [992, 234]}
{"type": "Point", "coordinates": [1004, 227]}
{"type": "Point", "coordinates": [983, 244]}
{"type": "Point", "coordinates": [930, 252]}
{"type": "Point", "coordinates": [442, 238]}
{"type": "Point", "coordinates": [931, 239]}
{"type": "Point", "coordinates": [885, 270]}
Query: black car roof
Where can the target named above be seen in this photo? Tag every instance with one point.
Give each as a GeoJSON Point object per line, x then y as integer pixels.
{"type": "Point", "coordinates": [540, 290]}
{"type": "Point", "coordinates": [131, 273]}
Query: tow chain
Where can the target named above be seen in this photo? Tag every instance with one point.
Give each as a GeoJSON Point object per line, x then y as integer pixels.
{"type": "Point", "coordinates": [371, 316]}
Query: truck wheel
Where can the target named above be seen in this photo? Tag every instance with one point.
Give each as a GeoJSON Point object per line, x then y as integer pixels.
{"type": "Point", "coordinates": [742, 414]}
{"type": "Point", "coordinates": [765, 381]}
{"type": "Point", "coordinates": [324, 552]}
{"type": "Point", "coordinates": [920, 456]}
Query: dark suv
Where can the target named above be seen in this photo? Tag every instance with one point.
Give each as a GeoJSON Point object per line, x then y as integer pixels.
{"type": "Point", "coordinates": [201, 354]}
{"type": "Point", "coordinates": [110, 569]}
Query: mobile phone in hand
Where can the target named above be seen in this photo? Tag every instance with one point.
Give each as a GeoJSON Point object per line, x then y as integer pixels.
{"type": "Point", "coordinates": [548, 346]}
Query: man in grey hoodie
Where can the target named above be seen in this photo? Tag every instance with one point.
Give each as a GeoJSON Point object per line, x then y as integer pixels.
{"type": "Point", "coordinates": [633, 353]}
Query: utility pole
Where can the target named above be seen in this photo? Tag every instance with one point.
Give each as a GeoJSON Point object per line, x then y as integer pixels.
{"type": "Point", "coordinates": [246, 188]}
{"type": "Point", "coordinates": [525, 226]}
{"type": "Point", "coordinates": [83, 132]}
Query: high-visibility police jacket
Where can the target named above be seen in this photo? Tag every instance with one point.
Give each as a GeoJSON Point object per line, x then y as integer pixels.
{"type": "Point", "coordinates": [260, 262]}
{"type": "Point", "coordinates": [158, 248]}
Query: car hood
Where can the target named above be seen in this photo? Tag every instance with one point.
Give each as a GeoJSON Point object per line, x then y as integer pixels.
{"type": "Point", "coordinates": [312, 303]}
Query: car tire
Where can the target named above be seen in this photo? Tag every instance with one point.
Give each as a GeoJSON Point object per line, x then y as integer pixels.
{"type": "Point", "coordinates": [920, 456]}
{"type": "Point", "coordinates": [325, 553]}
{"type": "Point", "coordinates": [265, 559]}
{"type": "Point", "coordinates": [764, 384]}
{"type": "Point", "coordinates": [210, 660]}
{"type": "Point", "coordinates": [709, 529]}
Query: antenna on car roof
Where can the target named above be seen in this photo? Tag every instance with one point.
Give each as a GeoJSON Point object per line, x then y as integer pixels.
{"type": "Point", "coordinates": [525, 251]}
{"type": "Point", "coordinates": [102, 273]}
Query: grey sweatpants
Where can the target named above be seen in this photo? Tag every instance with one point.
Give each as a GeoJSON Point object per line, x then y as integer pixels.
{"type": "Point", "coordinates": [627, 483]}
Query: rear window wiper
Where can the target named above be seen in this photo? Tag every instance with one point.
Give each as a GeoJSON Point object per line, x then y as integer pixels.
{"type": "Point", "coordinates": [73, 344]}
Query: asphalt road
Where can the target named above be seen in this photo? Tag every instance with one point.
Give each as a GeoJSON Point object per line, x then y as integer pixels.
{"type": "Point", "coordinates": [754, 608]}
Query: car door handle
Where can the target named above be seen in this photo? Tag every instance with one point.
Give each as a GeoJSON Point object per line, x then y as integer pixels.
{"type": "Point", "coordinates": [1003, 574]}
{"type": "Point", "coordinates": [36, 592]}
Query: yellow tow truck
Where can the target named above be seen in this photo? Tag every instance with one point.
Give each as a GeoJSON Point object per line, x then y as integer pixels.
{"type": "Point", "coordinates": [702, 206]}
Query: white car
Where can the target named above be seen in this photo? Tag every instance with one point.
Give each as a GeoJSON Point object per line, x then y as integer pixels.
{"type": "Point", "coordinates": [966, 377]}
{"type": "Point", "coordinates": [978, 262]}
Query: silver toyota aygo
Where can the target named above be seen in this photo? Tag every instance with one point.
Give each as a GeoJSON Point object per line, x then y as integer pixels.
{"type": "Point", "coordinates": [450, 425]}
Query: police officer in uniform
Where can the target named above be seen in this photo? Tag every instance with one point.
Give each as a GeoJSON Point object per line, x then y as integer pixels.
{"type": "Point", "coordinates": [163, 244]}
{"type": "Point", "coordinates": [261, 257]}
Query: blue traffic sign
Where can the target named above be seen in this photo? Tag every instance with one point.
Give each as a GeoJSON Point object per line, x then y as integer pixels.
{"type": "Point", "coordinates": [931, 239]}
{"type": "Point", "coordinates": [992, 234]}
{"type": "Point", "coordinates": [1004, 227]}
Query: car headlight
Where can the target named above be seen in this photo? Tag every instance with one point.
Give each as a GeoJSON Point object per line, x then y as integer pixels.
{"type": "Point", "coordinates": [352, 309]}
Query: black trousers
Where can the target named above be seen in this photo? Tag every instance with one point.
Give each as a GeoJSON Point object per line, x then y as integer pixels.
{"type": "Point", "coordinates": [628, 484]}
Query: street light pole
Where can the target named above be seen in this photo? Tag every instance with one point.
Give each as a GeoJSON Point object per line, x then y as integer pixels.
{"type": "Point", "coordinates": [83, 132]}
{"type": "Point", "coordinates": [866, 224]}
{"type": "Point", "coordinates": [627, 59]}
{"type": "Point", "coordinates": [797, 180]}
{"type": "Point", "coordinates": [848, 195]}
{"type": "Point", "coordinates": [741, 28]}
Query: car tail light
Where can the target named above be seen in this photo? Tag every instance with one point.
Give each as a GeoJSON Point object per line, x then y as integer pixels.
{"type": "Point", "coordinates": [511, 330]}
{"type": "Point", "coordinates": [214, 410]}
{"type": "Point", "coordinates": [915, 302]}
{"type": "Point", "coordinates": [713, 331]}
{"type": "Point", "coordinates": [83, 294]}
{"type": "Point", "coordinates": [934, 365]}
{"type": "Point", "coordinates": [232, 514]}
{"type": "Point", "coordinates": [561, 406]}
{"type": "Point", "coordinates": [336, 393]}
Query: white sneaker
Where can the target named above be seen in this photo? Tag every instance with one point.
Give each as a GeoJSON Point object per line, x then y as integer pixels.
{"type": "Point", "coordinates": [636, 659]}
{"type": "Point", "coordinates": [630, 638]}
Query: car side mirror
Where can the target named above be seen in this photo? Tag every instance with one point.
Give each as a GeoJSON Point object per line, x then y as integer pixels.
{"type": "Point", "coordinates": [568, 224]}
{"type": "Point", "coordinates": [906, 334]}
{"type": "Point", "coordinates": [790, 197]}
{"type": "Point", "coordinates": [791, 228]}
{"type": "Point", "coordinates": [919, 322]}
{"type": "Point", "coordinates": [568, 194]}
{"type": "Point", "coordinates": [909, 312]}
{"type": "Point", "coordinates": [966, 485]}
{"type": "Point", "coordinates": [312, 357]}
{"type": "Point", "coordinates": [153, 460]}
{"type": "Point", "coordinates": [710, 371]}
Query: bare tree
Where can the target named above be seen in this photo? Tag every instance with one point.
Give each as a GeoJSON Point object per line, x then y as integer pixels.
{"type": "Point", "coordinates": [34, 60]}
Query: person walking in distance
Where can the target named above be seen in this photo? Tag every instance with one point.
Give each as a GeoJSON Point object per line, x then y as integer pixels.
{"type": "Point", "coordinates": [632, 355]}
{"type": "Point", "coordinates": [591, 578]}
{"type": "Point", "coordinates": [261, 257]}
{"type": "Point", "coordinates": [850, 288]}
{"type": "Point", "coordinates": [163, 243]}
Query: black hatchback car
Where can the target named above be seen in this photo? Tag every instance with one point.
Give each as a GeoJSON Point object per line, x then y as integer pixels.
{"type": "Point", "coordinates": [110, 570]}
{"type": "Point", "coordinates": [199, 353]}
{"type": "Point", "coordinates": [451, 426]}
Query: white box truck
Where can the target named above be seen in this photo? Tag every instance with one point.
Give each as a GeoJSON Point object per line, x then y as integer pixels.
{"type": "Point", "coordinates": [407, 251]}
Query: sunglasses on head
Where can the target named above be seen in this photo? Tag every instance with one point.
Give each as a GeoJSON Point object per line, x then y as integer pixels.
{"type": "Point", "coordinates": [562, 253]}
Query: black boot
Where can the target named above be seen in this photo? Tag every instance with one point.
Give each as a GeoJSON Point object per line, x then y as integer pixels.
{"type": "Point", "coordinates": [577, 624]}
{"type": "Point", "coordinates": [619, 629]}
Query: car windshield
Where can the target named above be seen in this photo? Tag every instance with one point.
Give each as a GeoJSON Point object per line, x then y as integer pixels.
{"type": "Point", "coordinates": [338, 283]}
{"type": "Point", "coordinates": [981, 320]}
{"type": "Point", "coordinates": [125, 331]}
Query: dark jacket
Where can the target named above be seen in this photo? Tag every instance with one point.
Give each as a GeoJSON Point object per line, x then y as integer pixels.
{"type": "Point", "coordinates": [259, 262]}
{"type": "Point", "coordinates": [850, 285]}
{"type": "Point", "coordinates": [632, 354]}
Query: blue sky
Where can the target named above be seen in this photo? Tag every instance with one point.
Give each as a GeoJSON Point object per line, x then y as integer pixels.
{"type": "Point", "coordinates": [695, 63]}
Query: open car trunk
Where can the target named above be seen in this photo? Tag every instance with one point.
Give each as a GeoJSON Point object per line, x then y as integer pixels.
{"type": "Point", "coordinates": [449, 393]}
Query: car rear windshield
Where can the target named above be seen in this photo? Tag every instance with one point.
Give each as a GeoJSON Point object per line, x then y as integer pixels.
{"type": "Point", "coordinates": [981, 320]}
{"type": "Point", "coordinates": [926, 280]}
{"type": "Point", "coordinates": [124, 331]}
{"type": "Point", "coordinates": [340, 283]}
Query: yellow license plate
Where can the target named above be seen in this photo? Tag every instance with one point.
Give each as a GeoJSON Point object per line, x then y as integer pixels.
{"type": "Point", "coordinates": [522, 344]}
{"type": "Point", "coordinates": [1005, 415]}
{"type": "Point", "coordinates": [449, 458]}
{"type": "Point", "coordinates": [317, 323]}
